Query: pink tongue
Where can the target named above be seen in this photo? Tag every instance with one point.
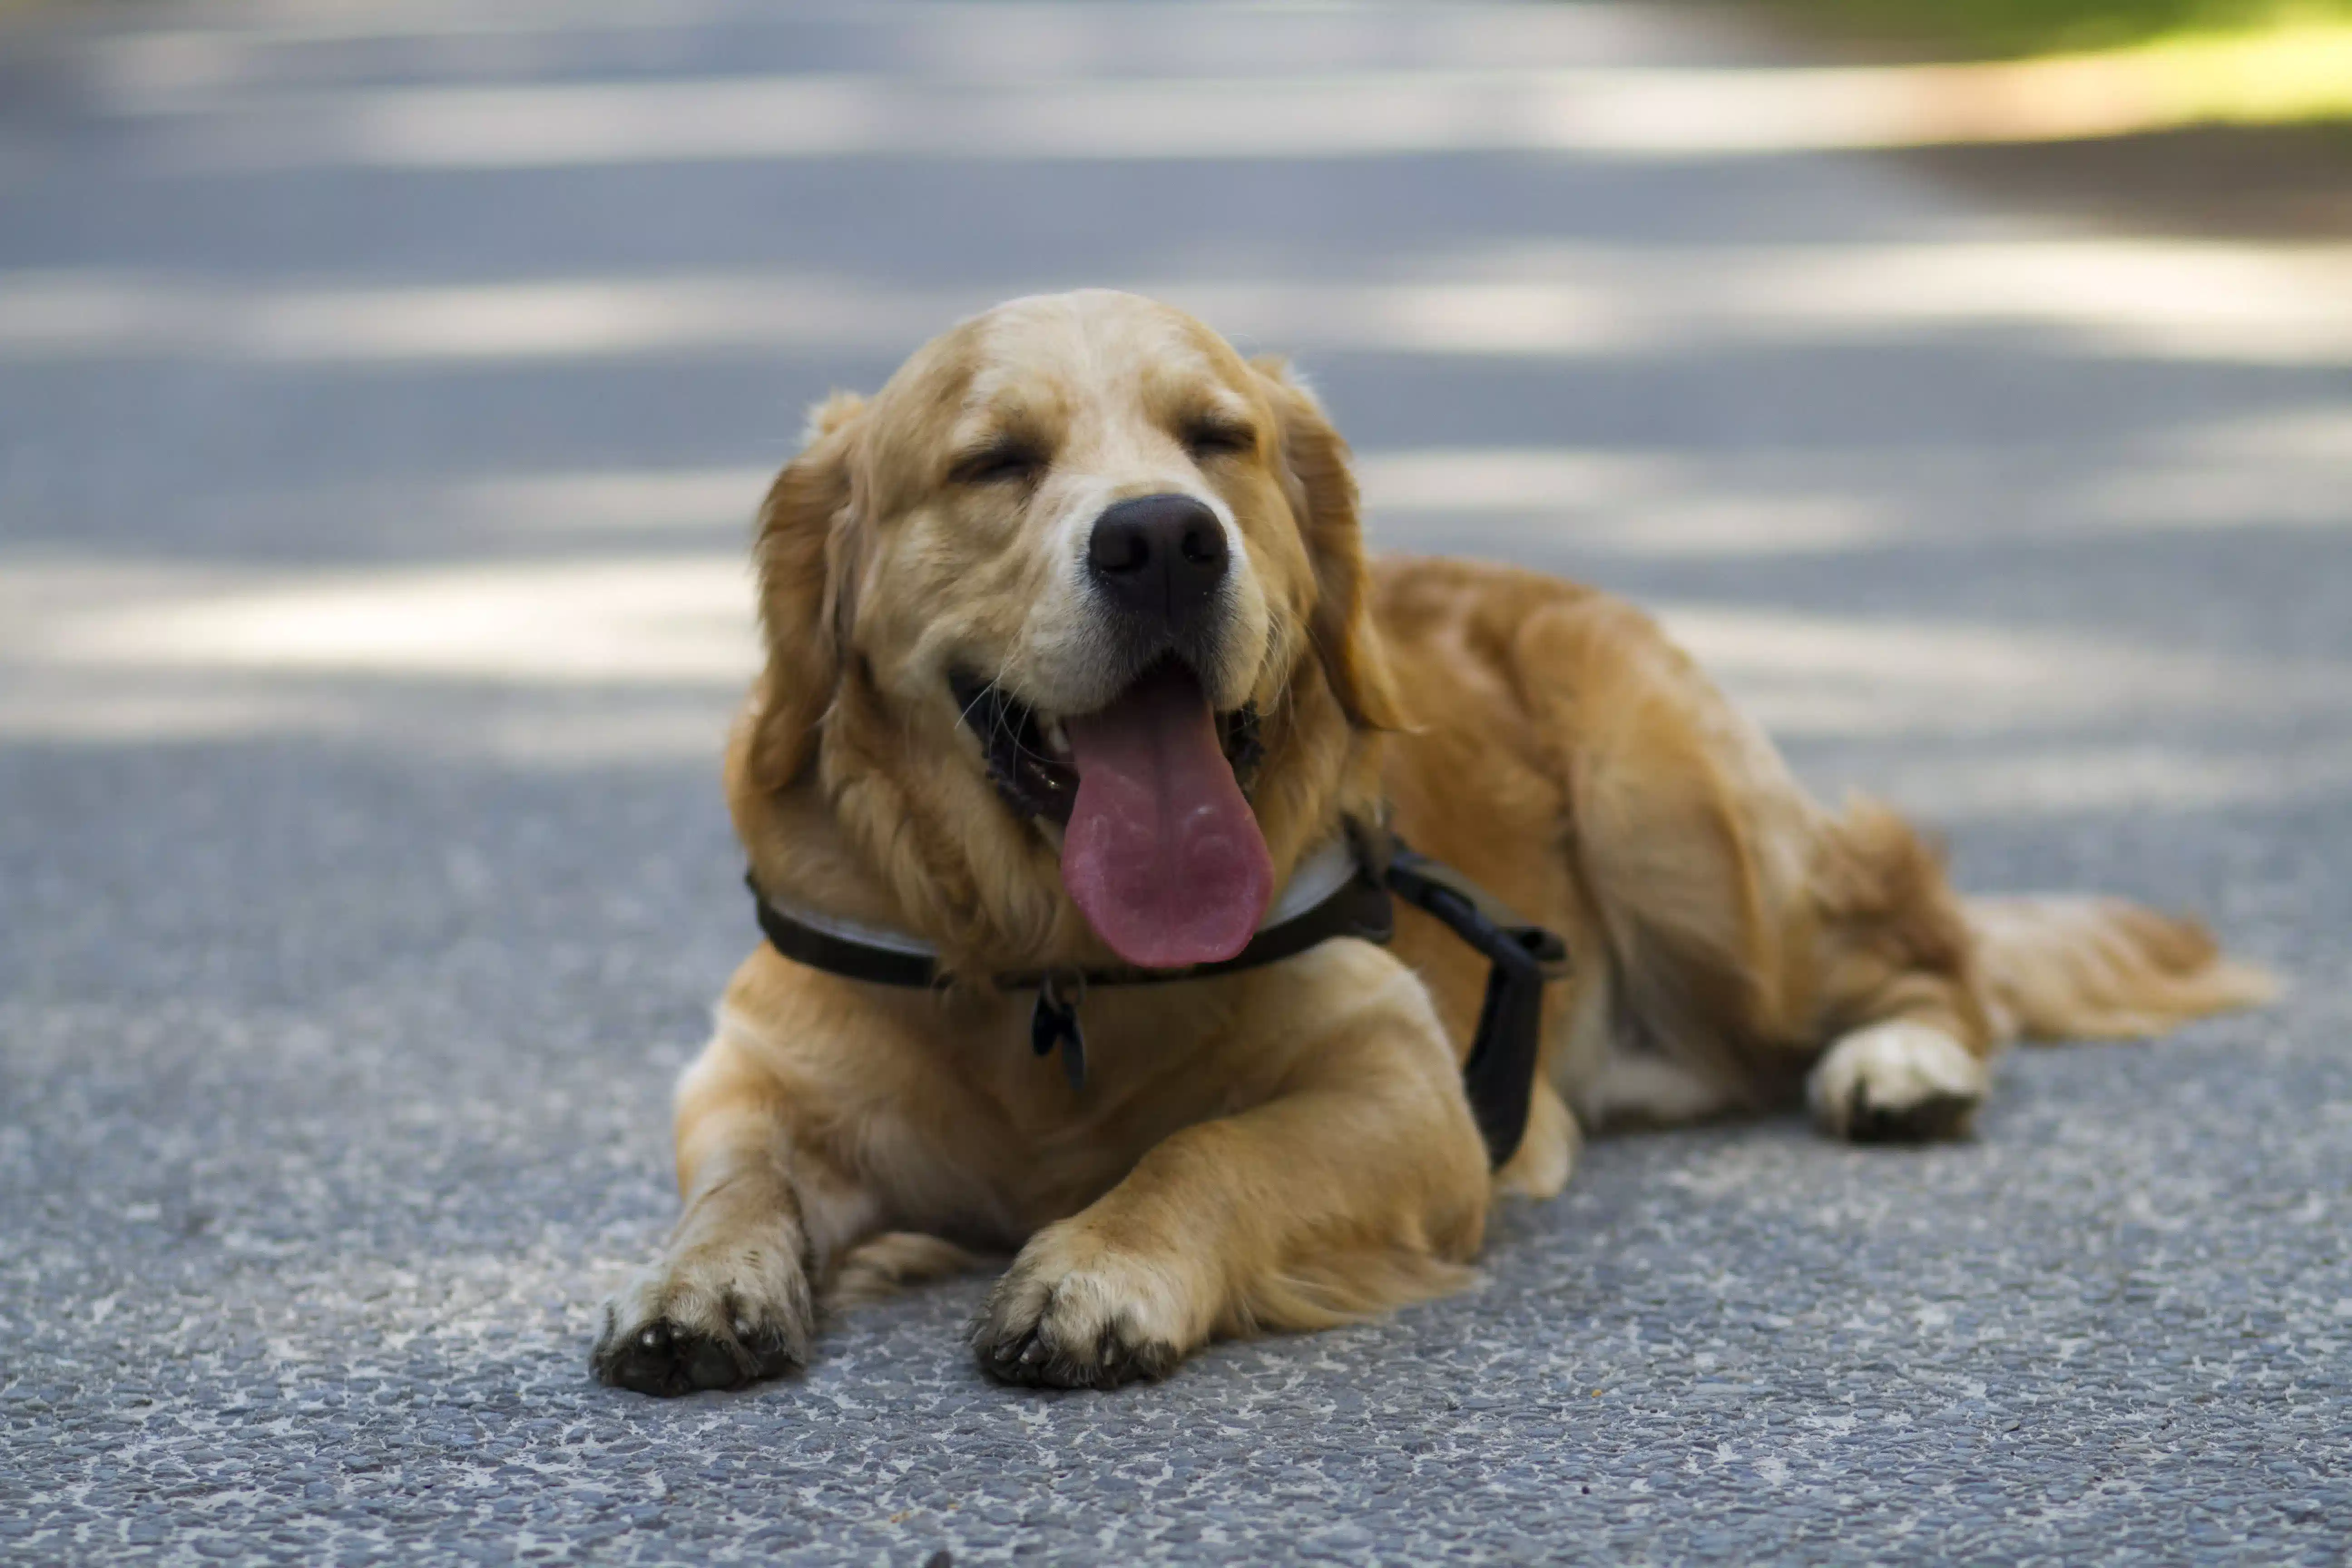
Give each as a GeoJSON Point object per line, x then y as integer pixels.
{"type": "Point", "coordinates": [1161, 852]}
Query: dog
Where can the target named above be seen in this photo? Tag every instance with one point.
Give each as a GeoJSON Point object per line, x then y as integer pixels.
{"type": "Point", "coordinates": [1075, 658]}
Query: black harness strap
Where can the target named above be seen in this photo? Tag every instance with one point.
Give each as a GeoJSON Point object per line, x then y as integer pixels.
{"type": "Point", "coordinates": [1498, 1078]}
{"type": "Point", "coordinates": [1358, 907]}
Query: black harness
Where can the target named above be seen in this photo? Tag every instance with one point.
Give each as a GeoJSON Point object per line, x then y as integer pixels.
{"type": "Point", "coordinates": [1499, 1077]}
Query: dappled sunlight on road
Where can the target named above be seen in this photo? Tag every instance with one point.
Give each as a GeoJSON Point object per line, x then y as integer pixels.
{"type": "Point", "coordinates": [610, 622]}
{"type": "Point", "coordinates": [2128, 298]}
{"type": "Point", "coordinates": [638, 659]}
{"type": "Point", "coordinates": [598, 612]}
{"type": "Point", "coordinates": [1039, 108]}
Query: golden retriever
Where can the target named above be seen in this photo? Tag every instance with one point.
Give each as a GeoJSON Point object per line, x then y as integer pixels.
{"type": "Point", "coordinates": [1074, 655]}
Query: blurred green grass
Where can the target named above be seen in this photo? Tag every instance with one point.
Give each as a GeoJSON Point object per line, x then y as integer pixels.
{"type": "Point", "coordinates": [2016, 29]}
{"type": "Point", "coordinates": [2185, 62]}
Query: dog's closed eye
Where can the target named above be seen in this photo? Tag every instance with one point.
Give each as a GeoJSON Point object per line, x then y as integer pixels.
{"type": "Point", "coordinates": [1007, 461]}
{"type": "Point", "coordinates": [1219, 438]}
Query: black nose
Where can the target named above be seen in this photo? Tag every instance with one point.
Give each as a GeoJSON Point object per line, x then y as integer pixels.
{"type": "Point", "coordinates": [1159, 557]}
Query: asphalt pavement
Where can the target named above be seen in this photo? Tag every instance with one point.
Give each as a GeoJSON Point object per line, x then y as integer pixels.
{"type": "Point", "coordinates": [384, 390]}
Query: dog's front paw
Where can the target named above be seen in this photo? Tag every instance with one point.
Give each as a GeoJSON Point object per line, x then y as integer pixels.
{"type": "Point", "coordinates": [1073, 1312]}
{"type": "Point", "coordinates": [714, 1316]}
{"type": "Point", "coordinates": [1896, 1082]}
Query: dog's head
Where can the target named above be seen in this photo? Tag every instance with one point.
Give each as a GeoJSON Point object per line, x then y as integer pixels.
{"type": "Point", "coordinates": [1077, 604]}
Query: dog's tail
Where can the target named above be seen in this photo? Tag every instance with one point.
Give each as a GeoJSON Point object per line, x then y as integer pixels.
{"type": "Point", "coordinates": [2059, 968]}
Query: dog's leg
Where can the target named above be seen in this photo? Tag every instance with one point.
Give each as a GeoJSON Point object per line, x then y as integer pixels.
{"type": "Point", "coordinates": [1362, 1184]}
{"type": "Point", "coordinates": [1747, 935]}
{"type": "Point", "coordinates": [1909, 1042]}
{"type": "Point", "coordinates": [730, 1298]}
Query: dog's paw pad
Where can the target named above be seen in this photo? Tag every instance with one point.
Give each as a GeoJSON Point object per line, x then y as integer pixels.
{"type": "Point", "coordinates": [677, 1329]}
{"type": "Point", "coordinates": [1896, 1083]}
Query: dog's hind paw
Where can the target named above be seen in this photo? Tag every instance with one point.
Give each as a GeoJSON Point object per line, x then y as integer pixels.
{"type": "Point", "coordinates": [1897, 1082]}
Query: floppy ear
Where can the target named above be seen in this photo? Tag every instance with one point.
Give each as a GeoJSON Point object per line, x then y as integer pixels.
{"type": "Point", "coordinates": [806, 538]}
{"type": "Point", "coordinates": [1322, 492]}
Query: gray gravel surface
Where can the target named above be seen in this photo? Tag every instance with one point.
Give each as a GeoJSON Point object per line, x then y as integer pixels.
{"type": "Point", "coordinates": [383, 391]}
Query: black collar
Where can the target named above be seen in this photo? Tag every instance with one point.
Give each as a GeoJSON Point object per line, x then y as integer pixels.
{"type": "Point", "coordinates": [1360, 879]}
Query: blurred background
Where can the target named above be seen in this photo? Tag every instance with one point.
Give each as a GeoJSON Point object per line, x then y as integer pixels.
{"type": "Point", "coordinates": [384, 393]}
{"type": "Point", "coordinates": [405, 375]}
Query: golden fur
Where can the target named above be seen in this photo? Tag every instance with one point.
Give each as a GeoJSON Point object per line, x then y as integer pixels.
{"type": "Point", "coordinates": [1286, 1147]}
